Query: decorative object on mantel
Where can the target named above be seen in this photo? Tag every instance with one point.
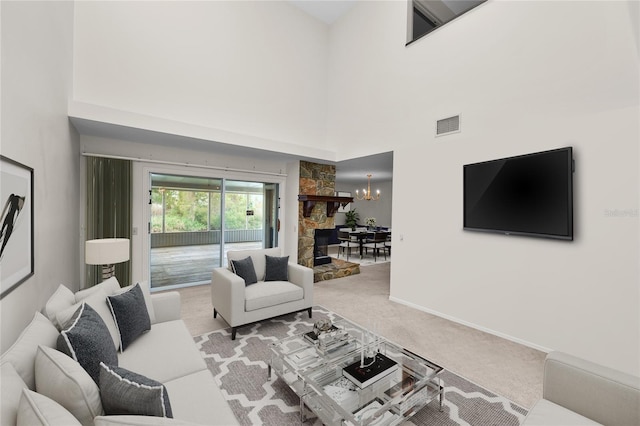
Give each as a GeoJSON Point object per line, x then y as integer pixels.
{"type": "Point", "coordinates": [333, 202]}
{"type": "Point", "coordinates": [366, 194]}
{"type": "Point", "coordinates": [107, 252]}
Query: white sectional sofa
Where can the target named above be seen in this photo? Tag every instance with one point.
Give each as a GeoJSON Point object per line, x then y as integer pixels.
{"type": "Point", "coordinates": [165, 353]}
{"type": "Point", "coordinates": [579, 392]}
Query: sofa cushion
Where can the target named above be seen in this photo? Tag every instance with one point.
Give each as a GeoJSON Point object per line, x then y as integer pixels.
{"type": "Point", "coordinates": [11, 386]}
{"type": "Point", "coordinates": [22, 354]}
{"type": "Point", "coordinates": [164, 353]}
{"type": "Point", "coordinates": [65, 381]}
{"type": "Point", "coordinates": [98, 301]}
{"type": "Point", "coordinates": [257, 256]}
{"type": "Point", "coordinates": [266, 294]}
{"type": "Point", "coordinates": [60, 300]}
{"type": "Point", "coordinates": [130, 313]}
{"type": "Point", "coordinates": [245, 270]}
{"type": "Point", "coordinates": [35, 409]}
{"type": "Point", "coordinates": [546, 413]}
{"type": "Point", "coordinates": [277, 268]}
{"type": "Point", "coordinates": [126, 392]}
{"type": "Point", "coordinates": [87, 340]}
{"type": "Point", "coordinates": [109, 286]}
{"type": "Point", "coordinates": [207, 406]}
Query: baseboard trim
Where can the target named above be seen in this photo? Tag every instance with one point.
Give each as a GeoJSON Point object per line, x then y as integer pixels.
{"type": "Point", "coordinates": [470, 324]}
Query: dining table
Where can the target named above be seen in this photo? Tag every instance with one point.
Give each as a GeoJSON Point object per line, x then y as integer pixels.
{"type": "Point", "coordinates": [361, 235]}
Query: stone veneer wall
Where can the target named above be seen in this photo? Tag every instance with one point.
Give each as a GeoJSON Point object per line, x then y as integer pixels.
{"type": "Point", "coordinates": [315, 179]}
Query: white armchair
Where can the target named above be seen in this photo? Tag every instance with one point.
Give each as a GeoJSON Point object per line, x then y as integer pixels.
{"type": "Point", "coordinates": [239, 304]}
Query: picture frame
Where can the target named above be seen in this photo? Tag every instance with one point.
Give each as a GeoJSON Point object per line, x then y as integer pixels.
{"type": "Point", "coordinates": [17, 230]}
{"type": "Point", "coordinates": [348, 206]}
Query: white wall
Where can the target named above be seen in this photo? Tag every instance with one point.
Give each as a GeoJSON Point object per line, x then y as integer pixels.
{"type": "Point", "coordinates": [37, 41]}
{"type": "Point", "coordinates": [250, 67]}
{"type": "Point", "coordinates": [526, 76]}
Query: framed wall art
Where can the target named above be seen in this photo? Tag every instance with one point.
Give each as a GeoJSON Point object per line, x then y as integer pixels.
{"type": "Point", "coordinates": [16, 234]}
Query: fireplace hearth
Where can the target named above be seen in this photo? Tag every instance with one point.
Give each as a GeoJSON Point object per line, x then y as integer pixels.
{"type": "Point", "coordinates": [321, 247]}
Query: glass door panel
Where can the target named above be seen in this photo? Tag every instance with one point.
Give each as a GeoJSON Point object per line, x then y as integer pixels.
{"type": "Point", "coordinates": [184, 230]}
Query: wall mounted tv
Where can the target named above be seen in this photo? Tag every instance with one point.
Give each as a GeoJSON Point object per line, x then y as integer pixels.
{"type": "Point", "coordinates": [529, 195]}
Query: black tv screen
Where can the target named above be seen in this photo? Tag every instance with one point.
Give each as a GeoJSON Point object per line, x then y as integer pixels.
{"type": "Point", "coordinates": [525, 195]}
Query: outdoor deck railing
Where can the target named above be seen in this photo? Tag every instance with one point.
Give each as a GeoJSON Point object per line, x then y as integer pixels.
{"type": "Point", "coordinates": [174, 239]}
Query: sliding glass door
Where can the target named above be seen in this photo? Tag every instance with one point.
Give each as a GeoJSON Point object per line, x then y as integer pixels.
{"type": "Point", "coordinates": [196, 220]}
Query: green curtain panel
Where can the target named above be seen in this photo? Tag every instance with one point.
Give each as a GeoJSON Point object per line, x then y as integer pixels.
{"type": "Point", "coordinates": [108, 209]}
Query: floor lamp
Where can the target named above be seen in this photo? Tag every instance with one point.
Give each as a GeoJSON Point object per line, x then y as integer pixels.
{"type": "Point", "coordinates": [106, 252]}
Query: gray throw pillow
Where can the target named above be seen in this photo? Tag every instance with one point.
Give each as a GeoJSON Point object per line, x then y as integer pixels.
{"type": "Point", "coordinates": [245, 270]}
{"type": "Point", "coordinates": [130, 313]}
{"type": "Point", "coordinates": [86, 339]}
{"type": "Point", "coordinates": [277, 268]}
{"type": "Point", "coordinates": [125, 392]}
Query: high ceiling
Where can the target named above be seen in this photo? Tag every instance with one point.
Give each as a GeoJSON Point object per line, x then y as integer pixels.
{"type": "Point", "coordinates": [327, 11]}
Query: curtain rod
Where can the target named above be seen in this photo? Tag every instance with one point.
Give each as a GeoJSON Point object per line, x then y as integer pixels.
{"type": "Point", "coordinates": [175, 163]}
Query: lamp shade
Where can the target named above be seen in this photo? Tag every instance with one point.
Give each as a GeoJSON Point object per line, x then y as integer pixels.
{"type": "Point", "coordinates": [106, 251]}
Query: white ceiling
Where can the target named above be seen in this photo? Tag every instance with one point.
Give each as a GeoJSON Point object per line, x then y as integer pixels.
{"type": "Point", "coordinates": [327, 11]}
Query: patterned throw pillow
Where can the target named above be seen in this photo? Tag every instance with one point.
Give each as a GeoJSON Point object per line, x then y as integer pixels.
{"type": "Point", "coordinates": [86, 339]}
{"type": "Point", "coordinates": [277, 268]}
{"type": "Point", "coordinates": [125, 392]}
{"type": "Point", "coordinates": [129, 310]}
{"type": "Point", "coordinates": [245, 270]}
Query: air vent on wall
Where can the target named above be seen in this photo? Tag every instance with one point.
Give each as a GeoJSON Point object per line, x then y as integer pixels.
{"type": "Point", "coordinates": [448, 125]}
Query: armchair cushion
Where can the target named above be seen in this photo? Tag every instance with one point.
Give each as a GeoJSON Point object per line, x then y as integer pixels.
{"type": "Point", "coordinates": [244, 269]}
{"type": "Point", "coordinates": [277, 268]}
{"type": "Point", "coordinates": [265, 294]}
{"type": "Point", "coordinates": [257, 256]}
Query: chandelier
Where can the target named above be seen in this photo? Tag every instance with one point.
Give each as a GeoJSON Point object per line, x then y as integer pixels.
{"type": "Point", "coordinates": [366, 194]}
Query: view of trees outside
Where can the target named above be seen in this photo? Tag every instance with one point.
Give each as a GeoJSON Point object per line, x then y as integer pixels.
{"type": "Point", "coordinates": [187, 211]}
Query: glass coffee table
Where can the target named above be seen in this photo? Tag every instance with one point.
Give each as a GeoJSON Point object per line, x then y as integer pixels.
{"type": "Point", "coordinates": [326, 372]}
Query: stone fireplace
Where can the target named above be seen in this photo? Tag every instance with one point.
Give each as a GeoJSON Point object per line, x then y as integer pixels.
{"type": "Point", "coordinates": [321, 247]}
{"type": "Point", "coordinates": [316, 223]}
{"type": "Point", "coordinates": [315, 179]}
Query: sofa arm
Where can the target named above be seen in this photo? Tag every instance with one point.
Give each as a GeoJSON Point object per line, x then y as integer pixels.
{"type": "Point", "coordinates": [227, 295]}
{"type": "Point", "coordinates": [166, 306]}
{"type": "Point", "coordinates": [599, 393]}
{"type": "Point", "coordinates": [301, 276]}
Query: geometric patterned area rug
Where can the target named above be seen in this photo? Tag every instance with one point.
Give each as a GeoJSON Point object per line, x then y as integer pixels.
{"type": "Point", "coordinates": [240, 370]}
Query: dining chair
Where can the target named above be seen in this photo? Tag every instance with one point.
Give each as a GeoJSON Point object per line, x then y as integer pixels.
{"type": "Point", "coordinates": [346, 243]}
{"type": "Point", "coordinates": [376, 243]}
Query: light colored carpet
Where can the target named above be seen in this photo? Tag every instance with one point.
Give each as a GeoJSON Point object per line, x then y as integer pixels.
{"type": "Point", "coordinates": [501, 366]}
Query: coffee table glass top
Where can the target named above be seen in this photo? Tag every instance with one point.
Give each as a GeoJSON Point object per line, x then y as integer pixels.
{"type": "Point", "coordinates": [315, 370]}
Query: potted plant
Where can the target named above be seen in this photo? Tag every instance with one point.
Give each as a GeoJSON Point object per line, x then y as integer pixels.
{"type": "Point", "coordinates": [351, 218]}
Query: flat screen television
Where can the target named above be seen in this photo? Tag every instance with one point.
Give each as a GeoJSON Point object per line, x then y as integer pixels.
{"type": "Point", "coordinates": [529, 195]}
